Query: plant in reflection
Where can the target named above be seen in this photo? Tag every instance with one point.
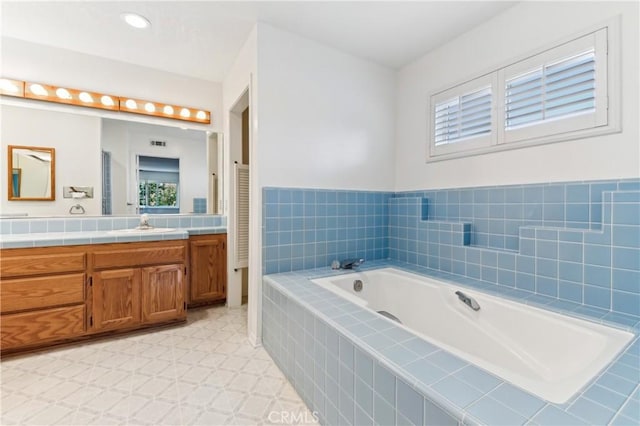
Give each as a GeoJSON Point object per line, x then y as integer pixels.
{"type": "Point", "coordinates": [157, 194]}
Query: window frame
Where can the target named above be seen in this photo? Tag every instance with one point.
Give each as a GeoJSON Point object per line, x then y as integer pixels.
{"type": "Point", "coordinates": [605, 120]}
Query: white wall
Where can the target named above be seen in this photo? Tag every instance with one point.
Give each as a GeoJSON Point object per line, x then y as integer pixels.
{"type": "Point", "coordinates": [326, 117]}
{"type": "Point", "coordinates": [520, 29]}
{"type": "Point", "coordinates": [76, 140]}
{"type": "Point", "coordinates": [125, 140]}
{"type": "Point", "coordinates": [38, 63]}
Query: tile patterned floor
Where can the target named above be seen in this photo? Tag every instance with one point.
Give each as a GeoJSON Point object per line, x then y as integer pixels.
{"type": "Point", "coordinates": [203, 373]}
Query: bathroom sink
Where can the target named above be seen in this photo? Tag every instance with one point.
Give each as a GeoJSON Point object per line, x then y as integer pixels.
{"type": "Point", "coordinates": [140, 231]}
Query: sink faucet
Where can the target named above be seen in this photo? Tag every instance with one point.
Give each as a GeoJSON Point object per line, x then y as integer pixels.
{"type": "Point", "coordinates": [351, 263]}
{"type": "Point", "coordinates": [144, 221]}
{"type": "Point", "coordinates": [469, 301]}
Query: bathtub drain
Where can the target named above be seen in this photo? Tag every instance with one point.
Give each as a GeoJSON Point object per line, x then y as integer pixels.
{"type": "Point", "coordinates": [390, 316]}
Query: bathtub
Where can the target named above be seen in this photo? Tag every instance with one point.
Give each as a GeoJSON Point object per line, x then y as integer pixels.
{"type": "Point", "coordinates": [545, 353]}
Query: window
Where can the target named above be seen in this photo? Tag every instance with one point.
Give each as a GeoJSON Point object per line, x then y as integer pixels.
{"type": "Point", "coordinates": [158, 180]}
{"type": "Point", "coordinates": [463, 116]}
{"type": "Point", "coordinates": [559, 94]}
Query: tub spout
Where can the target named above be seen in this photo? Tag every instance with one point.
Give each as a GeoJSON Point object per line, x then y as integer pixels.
{"type": "Point", "coordinates": [469, 301]}
{"type": "Point", "coordinates": [351, 263]}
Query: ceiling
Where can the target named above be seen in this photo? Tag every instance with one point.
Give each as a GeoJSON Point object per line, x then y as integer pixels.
{"type": "Point", "coordinates": [201, 39]}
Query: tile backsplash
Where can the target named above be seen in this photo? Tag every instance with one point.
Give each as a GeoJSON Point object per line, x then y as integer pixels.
{"type": "Point", "coordinates": [574, 241]}
{"type": "Point", "coordinates": [308, 228]}
{"type": "Point", "coordinates": [25, 225]}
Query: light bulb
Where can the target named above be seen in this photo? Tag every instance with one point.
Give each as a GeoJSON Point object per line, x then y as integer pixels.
{"type": "Point", "coordinates": [63, 93]}
{"type": "Point", "coordinates": [37, 89]}
{"type": "Point", "coordinates": [201, 115]}
{"type": "Point", "coordinates": [135, 20]}
{"type": "Point", "coordinates": [131, 104]}
{"type": "Point", "coordinates": [149, 107]}
{"type": "Point", "coordinates": [168, 110]}
{"type": "Point", "coordinates": [106, 100]}
{"type": "Point", "coordinates": [185, 113]}
{"type": "Point", "coordinates": [85, 97]}
{"type": "Point", "coordinates": [8, 86]}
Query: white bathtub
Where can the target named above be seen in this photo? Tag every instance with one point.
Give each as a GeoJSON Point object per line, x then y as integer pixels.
{"type": "Point", "coordinates": [547, 354]}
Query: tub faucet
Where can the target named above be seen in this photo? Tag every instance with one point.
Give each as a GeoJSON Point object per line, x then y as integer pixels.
{"type": "Point", "coordinates": [351, 263]}
{"type": "Point", "coordinates": [469, 301]}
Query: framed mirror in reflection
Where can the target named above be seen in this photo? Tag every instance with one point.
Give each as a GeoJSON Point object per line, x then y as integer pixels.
{"type": "Point", "coordinates": [31, 173]}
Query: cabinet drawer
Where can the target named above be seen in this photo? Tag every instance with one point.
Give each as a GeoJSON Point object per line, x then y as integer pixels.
{"type": "Point", "coordinates": [41, 326]}
{"type": "Point", "coordinates": [40, 264]}
{"type": "Point", "coordinates": [134, 257]}
{"type": "Point", "coordinates": [41, 292]}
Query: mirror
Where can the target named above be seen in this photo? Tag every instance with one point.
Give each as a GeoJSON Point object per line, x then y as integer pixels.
{"type": "Point", "coordinates": [31, 173]}
{"type": "Point", "coordinates": [149, 168]}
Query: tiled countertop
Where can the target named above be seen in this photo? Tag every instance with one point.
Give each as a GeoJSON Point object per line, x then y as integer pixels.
{"type": "Point", "coordinates": [469, 393]}
{"type": "Point", "coordinates": [48, 239]}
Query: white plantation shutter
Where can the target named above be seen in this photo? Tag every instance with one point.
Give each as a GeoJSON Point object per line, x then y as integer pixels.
{"type": "Point", "coordinates": [463, 117]}
{"type": "Point", "coordinates": [559, 91]}
{"type": "Point", "coordinates": [552, 91]}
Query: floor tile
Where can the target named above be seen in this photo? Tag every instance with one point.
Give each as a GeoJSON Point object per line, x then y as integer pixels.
{"type": "Point", "coordinates": [202, 373]}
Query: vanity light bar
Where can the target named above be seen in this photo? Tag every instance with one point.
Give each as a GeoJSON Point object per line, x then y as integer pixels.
{"type": "Point", "coordinates": [64, 95]}
{"type": "Point", "coordinates": [157, 109]}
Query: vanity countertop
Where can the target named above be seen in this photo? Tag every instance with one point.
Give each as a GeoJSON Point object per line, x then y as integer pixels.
{"type": "Point", "coordinates": [48, 239]}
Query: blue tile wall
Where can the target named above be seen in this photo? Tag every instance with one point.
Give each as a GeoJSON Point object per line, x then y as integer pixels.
{"type": "Point", "coordinates": [595, 263]}
{"type": "Point", "coordinates": [199, 205]}
{"type": "Point", "coordinates": [308, 228]}
{"type": "Point", "coordinates": [576, 241]}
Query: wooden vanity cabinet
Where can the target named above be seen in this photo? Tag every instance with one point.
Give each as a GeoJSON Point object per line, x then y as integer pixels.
{"type": "Point", "coordinates": [138, 283]}
{"type": "Point", "coordinates": [208, 269]}
{"type": "Point", "coordinates": [42, 295]}
{"type": "Point", "coordinates": [53, 295]}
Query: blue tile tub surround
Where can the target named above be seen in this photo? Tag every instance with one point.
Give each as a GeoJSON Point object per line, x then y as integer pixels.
{"type": "Point", "coordinates": [308, 228]}
{"type": "Point", "coordinates": [598, 268]}
{"type": "Point", "coordinates": [324, 346]}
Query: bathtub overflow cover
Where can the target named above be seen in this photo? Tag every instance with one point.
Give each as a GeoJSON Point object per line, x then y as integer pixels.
{"type": "Point", "coordinates": [357, 285]}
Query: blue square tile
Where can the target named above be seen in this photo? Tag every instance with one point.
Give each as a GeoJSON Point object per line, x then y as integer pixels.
{"type": "Point", "coordinates": [628, 303]}
{"type": "Point", "coordinates": [522, 402]}
{"type": "Point", "coordinates": [384, 413]}
{"type": "Point", "coordinates": [626, 236]}
{"type": "Point", "coordinates": [626, 280]}
{"type": "Point", "coordinates": [490, 412]}
{"type": "Point", "coordinates": [597, 255]}
{"type": "Point", "coordinates": [553, 416]}
{"type": "Point", "coordinates": [384, 384]}
{"type": "Point", "coordinates": [590, 412]}
{"type": "Point", "coordinates": [578, 193]}
{"type": "Point", "coordinates": [626, 258]}
{"type": "Point", "coordinates": [597, 276]}
{"type": "Point", "coordinates": [456, 391]}
{"type": "Point", "coordinates": [434, 415]}
{"type": "Point", "coordinates": [626, 214]}
{"type": "Point", "coordinates": [425, 372]}
{"type": "Point", "coordinates": [570, 251]}
{"type": "Point", "coordinates": [364, 367]}
{"type": "Point", "coordinates": [410, 403]}
{"type": "Point", "coordinates": [547, 267]}
{"type": "Point", "coordinates": [570, 271]}
{"type": "Point", "coordinates": [597, 296]}
{"type": "Point", "coordinates": [478, 378]}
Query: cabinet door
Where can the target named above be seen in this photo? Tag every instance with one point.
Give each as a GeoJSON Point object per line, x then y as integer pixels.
{"type": "Point", "coordinates": [116, 299]}
{"type": "Point", "coordinates": [208, 269]}
{"type": "Point", "coordinates": [162, 293]}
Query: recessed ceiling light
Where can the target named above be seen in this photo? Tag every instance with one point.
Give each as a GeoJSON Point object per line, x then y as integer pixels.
{"type": "Point", "coordinates": [135, 20]}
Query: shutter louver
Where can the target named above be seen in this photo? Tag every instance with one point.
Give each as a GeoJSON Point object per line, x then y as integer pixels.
{"type": "Point", "coordinates": [463, 117]}
{"type": "Point", "coordinates": [564, 88]}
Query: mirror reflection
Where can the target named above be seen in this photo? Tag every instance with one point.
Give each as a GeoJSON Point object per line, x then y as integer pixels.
{"type": "Point", "coordinates": [157, 169]}
{"type": "Point", "coordinates": [32, 173]}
